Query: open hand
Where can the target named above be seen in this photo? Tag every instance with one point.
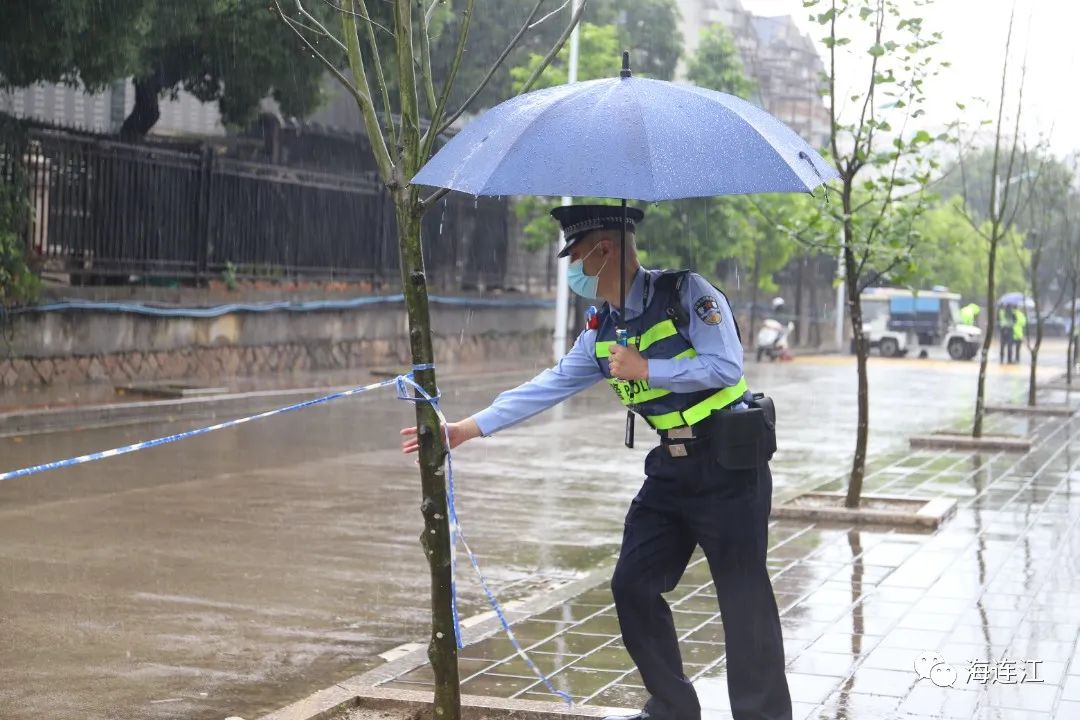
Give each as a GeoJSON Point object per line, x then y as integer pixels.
{"type": "Point", "coordinates": [459, 432]}
{"type": "Point", "coordinates": [627, 363]}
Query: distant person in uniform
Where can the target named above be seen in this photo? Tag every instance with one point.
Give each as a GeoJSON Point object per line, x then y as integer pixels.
{"type": "Point", "coordinates": [1006, 318]}
{"type": "Point", "coordinates": [969, 314]}
{"type": "Point", "coordinates": [1019, 330]}
{"type": "Point", "coordinates": [682, 371]}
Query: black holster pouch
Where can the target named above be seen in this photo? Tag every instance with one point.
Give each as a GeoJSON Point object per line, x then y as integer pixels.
{"type": "Point", "coordinates": [745, 438]}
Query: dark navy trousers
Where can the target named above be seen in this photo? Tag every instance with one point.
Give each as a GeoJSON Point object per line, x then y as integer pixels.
{"type": "Point", "coordinates": [686, 502]}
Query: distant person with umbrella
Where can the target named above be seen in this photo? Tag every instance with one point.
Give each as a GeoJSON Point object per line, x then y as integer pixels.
{"type": "Point", "coordinates": [682, 371]}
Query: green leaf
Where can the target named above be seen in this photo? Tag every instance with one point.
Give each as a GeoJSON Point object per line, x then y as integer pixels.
{"type": "Point", "coordinates": [876, 50]}
{"type": "Point", "coordinates": [865, 12]}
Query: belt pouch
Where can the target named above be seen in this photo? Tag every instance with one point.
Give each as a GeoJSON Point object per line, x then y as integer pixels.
{"type": "Point", "coordinates": [745, 438]}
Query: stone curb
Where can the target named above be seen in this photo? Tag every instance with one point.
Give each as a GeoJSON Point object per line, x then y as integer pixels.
{"type": "Point", "coordinates": [1075, 387]}
{"type": "Point", "coordinates": [361, 688]}
{"type": "Point", "coordinates": [335, 701]}
{"type": "Point", "coordinates": [961, 441]}
{"type": "Point", "coordinates": [1049, 410]}
{"type": "Point", "coordinates": [930, 512]}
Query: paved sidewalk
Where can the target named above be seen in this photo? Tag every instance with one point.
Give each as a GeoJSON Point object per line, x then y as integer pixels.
{"type": "Point", "coordinates": [995, 591]}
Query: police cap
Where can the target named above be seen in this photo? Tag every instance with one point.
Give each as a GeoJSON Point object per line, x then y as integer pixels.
{"type": "Point", "coordinates": [579, 220]}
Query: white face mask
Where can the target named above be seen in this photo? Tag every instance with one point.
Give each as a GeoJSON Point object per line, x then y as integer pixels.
{"type": "Point", "coordinates": [582, 284]}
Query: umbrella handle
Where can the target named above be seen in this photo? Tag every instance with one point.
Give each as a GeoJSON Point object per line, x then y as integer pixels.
{"type": "Point", "coordinates": [622, 274]}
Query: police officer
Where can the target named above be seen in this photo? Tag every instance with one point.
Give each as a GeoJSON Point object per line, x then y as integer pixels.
{"type": "Point", "coordinates": [682, 367]}
{"type": "Point", "coordinates": [969, 314]}
{"type": "Point", "coordinates": [1006, 318]}
{"type": "Point", "coordinates": [1019, 330]}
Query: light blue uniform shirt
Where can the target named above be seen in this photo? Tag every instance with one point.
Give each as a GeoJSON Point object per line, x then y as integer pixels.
{"type": "Point", "coordinates": [718, 364]}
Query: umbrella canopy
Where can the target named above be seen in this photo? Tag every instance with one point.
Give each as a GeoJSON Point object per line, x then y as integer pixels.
{"type": "Point", "coordinates": [1017, 299]}
{"type": "Point", "coordinates": [628, 138]}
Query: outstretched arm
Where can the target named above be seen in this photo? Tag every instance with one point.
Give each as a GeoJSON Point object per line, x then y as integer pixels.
{"type": "Point", "coordinates": [575, 372]}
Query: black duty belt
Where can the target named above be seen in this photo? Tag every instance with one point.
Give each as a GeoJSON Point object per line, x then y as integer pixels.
{"type": "Point", "coordinates": [686, 441]}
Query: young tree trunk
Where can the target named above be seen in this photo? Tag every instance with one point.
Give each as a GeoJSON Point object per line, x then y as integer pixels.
{"type": "Point", "coordinates": [1071, 354]}
{"type": "Point", "coordinates": [1031, 375]}
{"type": "Point", "coordinates": [435, 537]}
{"type": "Point", "coordinates": [146, 112]}
{"type": "Point", "coordinates": [755, 278]}
{"type": "Point", "coordinates": [797, 335]}
{"type": "Point", "coordinates": [1034, 348]}
{"type": "Point", "coordinates": [862, 428]}
{"type": "Point", "coordinates": [984, 355]}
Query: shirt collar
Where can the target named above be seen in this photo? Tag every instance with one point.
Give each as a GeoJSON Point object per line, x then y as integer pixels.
{"type": "Point", "coordinates": [635, 295]}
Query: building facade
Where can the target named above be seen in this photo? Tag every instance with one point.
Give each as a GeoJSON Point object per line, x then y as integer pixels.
{"type": "Point", "coordinates": [781, 60]}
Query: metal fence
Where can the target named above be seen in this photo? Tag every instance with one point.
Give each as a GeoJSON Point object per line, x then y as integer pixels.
{"type": "Point", "coordinates": [103, 209]}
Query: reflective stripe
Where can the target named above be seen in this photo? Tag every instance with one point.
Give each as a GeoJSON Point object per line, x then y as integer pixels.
{"type": "Point", "coordinates": [603, 347]}
{"type": "Point", "coordinates": [658, 332]}
{"type": "Point", "coordinates": [622, 387]}
{"type": "Point", "coordinates": [696, 413]}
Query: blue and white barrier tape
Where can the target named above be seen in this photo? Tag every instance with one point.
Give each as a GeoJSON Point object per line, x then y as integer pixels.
{"type": "Point", "coordinates": [403, 383]}
{"type": "Point", "coordinates": [190, 433]}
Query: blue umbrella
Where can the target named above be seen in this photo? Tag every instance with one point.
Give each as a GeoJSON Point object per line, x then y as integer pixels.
{"type": "Point", "coordinates": [1014, 298]}
{"type": "Point", "coordinates": [623, 138]}
{"type": "Point", "coordinates": [626, 138]}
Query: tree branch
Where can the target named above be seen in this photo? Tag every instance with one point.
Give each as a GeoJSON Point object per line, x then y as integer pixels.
{"type": "Point", "coordinates": [832, 92]}
{"type": "Point", "coordinates": [555, 48]}
{"type": "Point", "coordinates": [367, 108]}
{"type": "Point", "coordinates": [427, 142]}
{"type": "Point", "coordinates": [495, 66]}
{"type": "Point", "coordinates": [425, 60]}
{"type": "Point", "coordinates": [434, 197]}
{"type": "Point", "coordinates": [879, 24]}
{"type": "Point", "coordinates": [380, 77]}
{"type": "Point", "coordinates": [289, 23]}
{"type": "Point", "coordinates": [995, 212]}
{"type": "Point", "coordinates": [410, 112]}
{"type": "Point", "coordinates": [341, 9]}
{"type": "Point", "coordinates": [321, 28]}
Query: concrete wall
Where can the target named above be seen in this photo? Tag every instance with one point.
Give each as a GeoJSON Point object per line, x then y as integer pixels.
{"type": "Point", "coordinates": [78, 346]}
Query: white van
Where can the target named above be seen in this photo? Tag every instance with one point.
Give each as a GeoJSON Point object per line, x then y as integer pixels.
{"type": "Point", "coordinates": [897, 321]}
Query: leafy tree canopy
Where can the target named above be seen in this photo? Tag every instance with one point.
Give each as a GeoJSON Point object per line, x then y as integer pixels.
{"type": "Point", "coordinates": [648, 28]}
{"type": "Point", "coordinates": [717, 65]}
{"type": "Point", "coordinates": [952, 253]}
{"type": "Point", "coordinates": [219, 50]}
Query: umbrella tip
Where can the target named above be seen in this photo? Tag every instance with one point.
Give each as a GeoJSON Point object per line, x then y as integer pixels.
{"type": "Point", "coordinates": [625, 72]}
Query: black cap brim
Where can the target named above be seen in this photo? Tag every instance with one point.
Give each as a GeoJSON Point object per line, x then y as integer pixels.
{"type": "Point", "coordinates": [577, 221]}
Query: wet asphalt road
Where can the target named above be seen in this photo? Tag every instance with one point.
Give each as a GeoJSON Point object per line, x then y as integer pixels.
{"type": "Point", "coordinates": [236, 572]}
